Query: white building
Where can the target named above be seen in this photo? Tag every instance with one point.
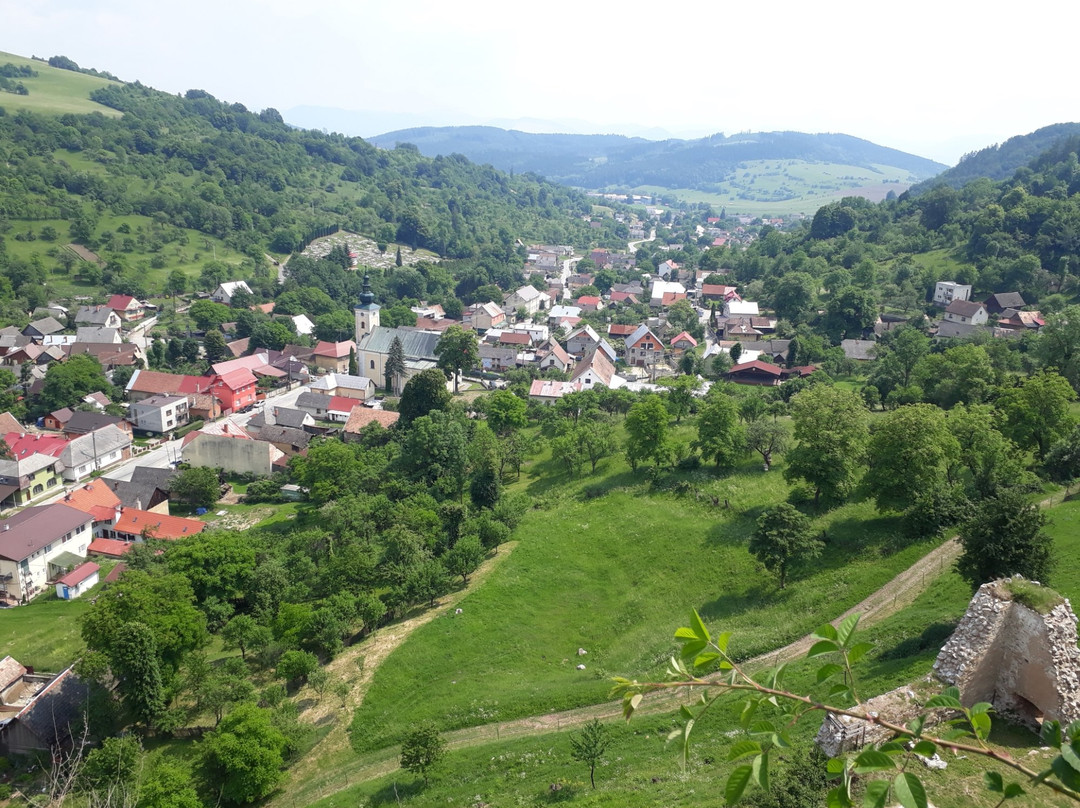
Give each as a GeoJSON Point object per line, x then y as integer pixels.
{"type": "Point", "coordinates": [945, 292]}
{"type": "Point", "coordinates": [40, 543]}
{"type": "Point", "coordinates": [225, 291]}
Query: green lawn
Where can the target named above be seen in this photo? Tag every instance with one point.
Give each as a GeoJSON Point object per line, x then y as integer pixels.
{"type": "Point", "coordinates": [45, 633]}
{"type": "Point", "coordinates": [54, 91]}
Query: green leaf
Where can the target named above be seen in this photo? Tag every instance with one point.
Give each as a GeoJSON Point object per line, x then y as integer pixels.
{"type": "Point", "coordinates": [691, 648]}
{"type": "Point", "coordinates": [1069, 754]}
{"type": "Point", "coordinates": [675, 733]}
{"type": "Point", "coordinates": [828, 671]}
{"type": "Point", "coordinates": [742, 749]}
{"type": "Point", "coordinates": [892, 748]}
{"type": "Point", "coordinates": [747, 715]}
{"type": "Point", "coordinates": [1050, 734]}
{"type": "Point", "coordinates": [943, 700]}
{"type": "Point", "coordinates": [722, 641]}
{"type": "Point", "coordinates": [839, 690]}
{"type": "Point", "coordinates": [1072, 732]}
{"type": "Point", "coordinates": [698, 626]}
{"type": "Point", "coordinates": [981, 707]}
{"type": "Point", "coordinates": [925, 748]}
{"type": "Point", "coordinates": [876, 794]}
{"type": "Point", "coordinates": [858, 651]}
{"type": "Point", "coordinates": [994, 782]}
{"type": "Point", "coordinates": [839, 797]}
{"type": "Point", "coordinates": [908, 789]}
{"type": "Point", "coordinates": [686, 713]}
{"type": "Point", "coordinates": [736, 784]}
{"type": "Point", "coordinates": [825, 632]}
{"type": "Point", "coordinates": [1013, 790]}
{"type": "Point", "coordinates": [763, 728]}
{"type": "Point", "coordinates": [760, 770]}
{"type": "Point", "coordinates": [916, 725]}
{"type": "Point", "coordinates": [704, 659]}
{"type": "Point", "coordinates": [873, 760]}
{"type": "Point", "coordinates": [835, 766]}
{"type": "Point", "coordinates": [952, 691]}
{"type": "Point", "coordinates": [635, 700]}
{"type": "Point", "coordinates": [1066, 773]}
{"type": "Point", "coordinates": [821, 647]}
{"type": "Point", "coordinates": [685, 633]}
{"type": "Point", "coordinates": [980, 724]}
{"type": "Point", "coordinates": [687, 729]}
{"type": "Point", "coordinates": [846, 629]}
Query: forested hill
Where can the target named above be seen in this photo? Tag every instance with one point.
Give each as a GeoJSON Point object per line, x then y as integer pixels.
{"type": "Point", "coordinates": [999, 161]}
{"type": "Point", "coordinates": [247, 178]}
{"type": "Point", "coordinates": [600, 161]}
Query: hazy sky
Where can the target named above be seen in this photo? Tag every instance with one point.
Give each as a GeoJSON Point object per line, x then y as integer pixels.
{"type": "Point", "coordinates": [934, 78]}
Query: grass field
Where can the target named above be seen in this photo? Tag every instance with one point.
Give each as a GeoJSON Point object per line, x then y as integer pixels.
{"type": "Point", "coordinates": [54, 90]}
{"type": "Point", "coordinates": [614, 574]}
{"type": "Point", "coordinates": [784, 187]}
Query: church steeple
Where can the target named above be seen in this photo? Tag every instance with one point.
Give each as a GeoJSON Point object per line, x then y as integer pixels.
{"type": "Point", "coordinates": [366, 311]}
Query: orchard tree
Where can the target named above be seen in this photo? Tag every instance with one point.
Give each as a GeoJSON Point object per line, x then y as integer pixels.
{"type": "Point", "coordinates": [198, 486]}
{"type": "Point", "coordinates": [911, 450]}
{"type": "Point", "coordinates": [422, 748]}
{"type": "Point", "coordinates": [680, 394]}
{"type": "Point", "coordinates": [720, 436]}
{"type": "Point", "coordinates": [783, 538]}
{"type": "Point", "coordinates": [831, 430]}
{"type": "Point", "coordinates": [1006, 537]}
{"type": "Point", "coordinates": [767, 438]}
{"type": "Point", "coordinates": [646, 431]}
{"type": "Point", "coordinates": [457, 351]}
{"type": "Point", "coordinates": [464, 558]}
{"type": "Point", "coordinates": [505, 412]}
{"type": "Point", "coordinates": [1037, 413]}
{"type": "Point", "coordinates": [589, 744]}
{"type": "Point", "coordinates": [243, 758]}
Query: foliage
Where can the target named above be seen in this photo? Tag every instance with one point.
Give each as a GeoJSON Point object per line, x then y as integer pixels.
{"type": "Point", "coordinates": [1005, 537]}
{"type": "Point", "coordinates": [423, 393]}
{"type": "Point", "coordinates": [589, 744]}
{"type": "Point", "coordinates": [422, 748]}
{"type": "Point", "coordinates": [1036, 414]}
{"type": "Point", "coordinates": [464, 557]}
{"type": "Point", "coordinates": [720, 437]}
{"type": "Point", "coordinates": [831, 430]}
{"type": "Point", "coordinates": [67, 383]}
{"type": "Point", "coordinates": [767, 438]}
{"type": "Point", "coordinates": [646, 431]}
{"type": "Point", "coordinates": [457, 351]}
{"type": "Point", "coordinates": [912, 450]}
{"type": "Point", "coordinates": [243, 757]}
{"type": "Point", "coordinates": [198, 486]}
{"type": "Point", "coordinates": [784, 538]}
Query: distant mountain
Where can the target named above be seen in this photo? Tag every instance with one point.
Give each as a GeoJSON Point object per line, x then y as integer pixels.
{"type": "Point", "coordinates": [602, 161]}
{"type": "Point", "coordinates": [1000, 161]}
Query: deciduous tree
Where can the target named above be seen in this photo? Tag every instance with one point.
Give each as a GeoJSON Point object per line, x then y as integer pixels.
{"type": "Point", "coordinates": [457, 351]}
{"type": "Point", "coordinates": [831, 433]}
{"type": "Point", "coordinates": [1005, 537]}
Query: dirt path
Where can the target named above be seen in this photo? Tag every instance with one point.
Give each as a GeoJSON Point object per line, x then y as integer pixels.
{"type": "Point", "coordinates": [356, 665]}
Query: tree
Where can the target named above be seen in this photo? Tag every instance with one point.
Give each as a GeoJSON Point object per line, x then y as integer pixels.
{"type": "Point", "coordinates": [423, 393]}
{"type": "Point", "coordinates": [735, 351]}
{"type": "Point", "coordinates": [176, 284]}
{"type": "Point", "coordinates": [198, 486]}
{"type": "Point", "coordinates": [596, 440]}
{"type": "Point", "coordinates": [1062, 462]}
{"type": "Point", "coordinates": [1037, 413]}
{"type": "Point", "coordinates": [112, 768]}
{"type": "Point", "coordinates": [793, 296]}
{"type": "Point", "coordinates": [457, 351]}
{"type": "Point", "coordinates": [911, 450]}
{"type": "Point", "coordinates": [720, 437]}
{"type": "Point", "coordinates": [296, 666]}
{"type": "Point", "coordinates": [133, 658]}
{"type": "Point", "coordinates": [421, 749]}
{"type": "Point", "coordinates": [646, 431]}
{"type": "Point", "coordinates": [783, 537]}
{"type": "Point", "coordinates": [215, 346]}
{"type": "Point", "coordinates": [67, 383]}
{"type": "Point", "coordinates": [395, 366]}
{"type": "Point", "coordinates": [354, 368]}
{"type": "Point", "coordinates": [766, 438]}
{"type": "Point", "coordinates": [1005, 537]}
{"type": "Point", "coordinates": [464, 558]}
{"type": "Point", "coordinates": [243, 757]}
{"type": "Point", "coordinates": [334, 326]}
{"type": "Point", "coordinates": [208, 314]}
{"type": "Point", "coordinates": [831, 430]}
{"type": "Point", "coordinates": [589, 744]}
{"type": "Point", "coordinates": [244, 633]}
{"type": "Point", "coordinates": [505, 412]}
{"type": "Point", "coordinates": [680, 394]}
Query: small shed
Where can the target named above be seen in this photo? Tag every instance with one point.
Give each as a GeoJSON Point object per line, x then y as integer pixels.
{"type": "Point", "coordinates": [78, 581]}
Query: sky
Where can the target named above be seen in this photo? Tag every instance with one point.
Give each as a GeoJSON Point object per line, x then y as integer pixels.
{"type": "Point", "coordinates": [937, 79]}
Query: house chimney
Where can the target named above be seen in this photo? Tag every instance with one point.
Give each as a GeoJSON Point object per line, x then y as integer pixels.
{"type": "Point", "coordinates": [7, 527]}
{"type": "Point", "coordinates": [138, 504]}
{"type": "Point", "coordinates": [117, 513]}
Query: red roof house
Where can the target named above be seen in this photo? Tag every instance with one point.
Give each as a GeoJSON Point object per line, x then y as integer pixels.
{"type": "Point", "coordinates": [755, 372]}
{"type": "Point", "coordinates": [127, 307]}
{"type": "Point", "coordinates": [235, 389]}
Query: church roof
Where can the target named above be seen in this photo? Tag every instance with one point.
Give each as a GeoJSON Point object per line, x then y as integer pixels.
{"type": "Point", "coordinates": [367, 297]}
{"type": "Point", "coordinates": [416, 344]}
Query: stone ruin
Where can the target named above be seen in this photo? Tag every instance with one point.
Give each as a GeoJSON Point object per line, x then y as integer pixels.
{"type": "Point", "coordinates": [1026, 664]}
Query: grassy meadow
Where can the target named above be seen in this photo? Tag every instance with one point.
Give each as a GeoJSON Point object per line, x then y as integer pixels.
{"type": "Point", "coordinates": [54, 90]}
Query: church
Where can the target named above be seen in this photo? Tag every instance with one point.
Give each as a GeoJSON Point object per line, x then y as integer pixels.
{"type": "Point", "coordinates": [373, 343]}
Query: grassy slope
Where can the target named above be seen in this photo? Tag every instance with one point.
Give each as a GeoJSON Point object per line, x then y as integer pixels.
{"type": "Point", "coordinates": [641, 769]}
{"type": "Point", "coordinates": [54, 90]}
{"type": "Point", "coordinates": [777, 187]}
{"type": "Point", "coordinates": [615, 575]}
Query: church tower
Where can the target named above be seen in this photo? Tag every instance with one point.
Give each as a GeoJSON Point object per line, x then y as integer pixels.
{"type": "Point", "coordinates": [366, 312]}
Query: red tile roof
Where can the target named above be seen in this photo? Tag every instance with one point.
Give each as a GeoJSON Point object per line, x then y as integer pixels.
{"type": "Point", "coordinates": [23, 444]}
{"type": "Point", "coordinates": [334, 350]}
{"type": "Point", "coordinates": [685, 336]}
{"type": "Point", "coordinates": [362, 416]}
{"type": "Point", "coordinates": [161, 526]}
{"type": "Point", "coordinates": [341, 404]}
{"type": "Point", "coordinates": [758, 365]}
{"type": "Point", "coordinates": [113, 548]}
{"type": "Point", "coordinates": [514, 338]}
{"type": "Point", "coordinates": [79, 574]}
{"type": "Point", "coordinates": [617, 330]}
{"type": "Point", "coordinates": [588, 300]}
{"type": "Point", "coordinates": [120, 302]}
{"type": "Point", "coordinates": [672, 297]}
{"type": "Point", "coordinates": [238, 379]}
{"type": "Point", "coordinates": [94, 498]}
{"type": "Point", "coordinates": [152, 381]}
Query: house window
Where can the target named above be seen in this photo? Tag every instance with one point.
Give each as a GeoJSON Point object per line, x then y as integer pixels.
{"type": "Point", "coordinates": [373, 364]}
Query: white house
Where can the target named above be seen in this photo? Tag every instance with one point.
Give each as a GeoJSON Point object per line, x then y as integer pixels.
{"type": "Point", "coordinates": [159, 413]}
{"type": "Point", "coordinates": [945, 292]}
{"type": "Point", "coordinates": [528, 298]}
{"type": "Point", "coordinates": [40, 543]}
{"type": "Point", "coordinates": [95, 451]}
{"type": "Point", "coordinates": [225, 291]}
{"type": "Point", "coordinates": [741, 308]}
{"type": "Point", "coordinates": [966, 313]}
{"type": "Point", "coordinates": [81, 579]}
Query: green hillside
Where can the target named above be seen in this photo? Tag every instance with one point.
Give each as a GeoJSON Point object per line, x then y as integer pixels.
{"type": "Point", "coordinates": [54, 91]}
